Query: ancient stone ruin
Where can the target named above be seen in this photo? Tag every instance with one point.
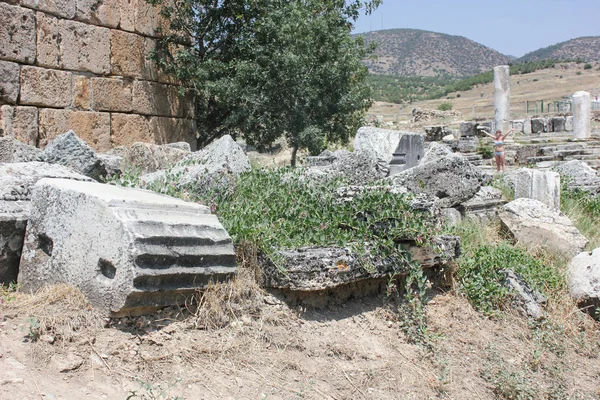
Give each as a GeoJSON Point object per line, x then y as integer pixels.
{"type": "Point", "coordinates": [83, 65]}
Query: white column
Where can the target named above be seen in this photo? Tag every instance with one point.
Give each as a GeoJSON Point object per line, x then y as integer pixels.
{"type": "Point", "coordinates": [581, 115]}
{"type": "Point", "coordinates": [502, 98]}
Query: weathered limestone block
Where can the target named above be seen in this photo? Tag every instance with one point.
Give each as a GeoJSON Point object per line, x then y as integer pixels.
{"type": "Point", "coordinates": [408, 154]}
{"type": "Point", "coordinates": [61, 8]}
{"type": "Point", "coordinates": [581, 115]}
{"type": "Point", "coordinates": [127, 54]}
{"type": "Point", "coordinates": [127, 15]}
{"type": "Point", "coordinates": [126, 129]}
{"type": "Point", "coordinates": [536, 226]}
{"type": "Point", "coordinates": [213, 167]}
{"type": "Point", "coordinates": [46, 87]}
{"type": "Point", "coordinates": [539, 125]}
{"type": "Point", "coordinates": [105, 12]}
{"type": "Point", "coordinates": [85, 47]}
{"type": "Point", "coordinates": [147, 157]}
{"type": "Point", "coordinates": [356, 168]}
{"type": "Point", "coordinates": [468, 129]}
{"type": "Point", "coordinates": [9, 82]}
{"type": "Point", "coordinates": [528, 301]}
{"type": "Point", "coordinates": [543, 186]}
{"type": "Point", "coordinates": [452, 179]}
{"type": "Point", "coordinates": [527, 126]}
{"type": "Point", "coordinates": [17, 34]}
{"type": "Point", "coordinates": [569, 123]}
{"type": "Point", "coordinates": [82, 91]}
{"type": "Point", "coordinates": [48, 41]}
{"type": "Point", "coordinates": [579, 175]}
{"type": "Point", "coordinates": [485, 205]}
{"type": "Point", "coordinates": [13, 151]}
{"type": "Point", "coordinates": [502, 97]}
{"type": "Point", "coordinates": [92, 127]}
{"type": "Point", "coordinates": [310, 269]}
{"type": "Point", "coordinates": [524, 152]}
{"type": "Point", "coordinates": [558, 124]}
{"type": "Point", "coordinates": [109, 94]}
{"type": "Point", "coordinates": [169, 130]}
{"type": "Point", "coordinates": [20, 122]}
{"type": "Point", "coordinates": [148, 250]}
{"type": "Point", "coordinates": [153, 98]}
{"type": "Point", "coordinates": [16, 181]}
{"type": "Point", "coordinates": [379, 143]}
{"type": "Point", "coordinates": [583, 279]}
{"type": "Point", "coordinates": [72, 152]}
{"type": "Point", "coordinates": [13, 220]}
{"type": "Point", "coordinates": [436, 151]}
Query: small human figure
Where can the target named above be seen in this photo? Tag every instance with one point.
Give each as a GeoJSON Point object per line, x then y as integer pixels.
{"type": "Point", "coordinates": [499, 148]}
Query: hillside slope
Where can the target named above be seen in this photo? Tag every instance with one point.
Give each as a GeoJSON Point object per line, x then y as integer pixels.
{"type": "Point", "coordinates": [587, 48]}
{"type": "Point", "coordinates": [412, 52]}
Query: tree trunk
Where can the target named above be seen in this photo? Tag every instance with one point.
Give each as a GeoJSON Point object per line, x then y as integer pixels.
{"type": "Point", "coordinates": [294, 152]}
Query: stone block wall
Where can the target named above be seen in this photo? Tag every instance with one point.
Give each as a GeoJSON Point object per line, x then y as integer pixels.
{"type": "Point", "coordinates": [83, 65]}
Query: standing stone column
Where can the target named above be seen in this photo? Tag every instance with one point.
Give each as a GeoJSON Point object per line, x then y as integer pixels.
{"type": "Point", "coordinates": [581, 115]}
{"type": "Point", "coordinates": [502, 98]}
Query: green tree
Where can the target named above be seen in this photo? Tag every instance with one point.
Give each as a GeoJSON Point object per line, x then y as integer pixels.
{"type": "Point", "coordinates": [265, 69]}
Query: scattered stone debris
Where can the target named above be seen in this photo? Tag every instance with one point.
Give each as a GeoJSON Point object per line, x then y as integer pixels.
{"type": "Point", "coordinates": [527, 300]}
{"type": "Point", "coordinates": [583, 278]}
{"type": "Point", "coordinates": [72, 152]}
{"type": "Point", "coordinates": [579, 175]}
{"type": "Point", "coordinates": [452, 180]}
{"type": "Point", "coordinates": [425, 114]}
{"type": "Point", "coordinates": [13, 151]}
{"type": "Point", "coordinates": [484, 206]}
{"type": "Point", "coordinates": [148, 157]}
{"type": "Point", "coordinates": [211, 168]}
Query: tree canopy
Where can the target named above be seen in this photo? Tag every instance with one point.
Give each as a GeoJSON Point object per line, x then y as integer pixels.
{"type": "Point", "coordinates": [264, 69]}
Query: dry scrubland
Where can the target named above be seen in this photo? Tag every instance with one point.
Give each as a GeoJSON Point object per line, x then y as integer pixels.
{"type": "Point", "coordinates": [547, 84]}
{"type": "Point", "coordinates": [238, 342]}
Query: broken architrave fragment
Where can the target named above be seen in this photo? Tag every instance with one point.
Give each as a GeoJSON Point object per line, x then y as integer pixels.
{"type": "Point", "coordinates": [129, 251]}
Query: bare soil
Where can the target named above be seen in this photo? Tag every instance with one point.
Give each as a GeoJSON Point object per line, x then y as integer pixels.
{"type": "Point", "coordinates": [252, 346]}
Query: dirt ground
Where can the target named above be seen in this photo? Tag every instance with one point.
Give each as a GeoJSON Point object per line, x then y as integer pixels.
{"type": "Point", "coordinates": [54, 346]}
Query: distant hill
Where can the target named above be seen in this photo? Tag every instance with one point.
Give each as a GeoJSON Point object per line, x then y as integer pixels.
{"type": "Point", "coordinates": [587, 48]}
{"type": "Point", "coordinates": [413, 52]}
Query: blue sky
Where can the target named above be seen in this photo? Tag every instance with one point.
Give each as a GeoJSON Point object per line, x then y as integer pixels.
{"type": "Point", "coordinates": [513, 27]}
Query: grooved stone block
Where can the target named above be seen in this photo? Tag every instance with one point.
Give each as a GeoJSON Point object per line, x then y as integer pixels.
{"type": "Point", "coordinates": [21, 123]}
{"type": "Point", "coordinates": [17, 34]}
{"type": "Point", "coordinates": [153, 98]}
{"type": "Point", "coordinates": [46, 87]}
{"type": "Point", "coordinates": [85, 47]}
{"type": "Point", "coordinates": [170, 130]}
{"type": "Point", "coordinates": [62, 8]}
{"type": "Point", "coordinates": [92, 127]}
{"type": "Point", "coordinates": [127, 54]}
{"type": "Point", "coordinates": [111, 94]}
{"type": "Point", "coordinates": [103, 12]}
{"type": "Point", "coordinates": [48, 41]}
{"type": "Point", "coordinates": [126, 129]}
{"type": "Point", "coordinates": [148, 250]}
{"type": "Point", "coordinates": [9, 82]}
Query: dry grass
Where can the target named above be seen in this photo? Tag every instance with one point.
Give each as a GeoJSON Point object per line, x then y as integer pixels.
{"type": "Point", "coordinates": [60, 311]}
{"type": "Point", "coordinates": [236, 300]}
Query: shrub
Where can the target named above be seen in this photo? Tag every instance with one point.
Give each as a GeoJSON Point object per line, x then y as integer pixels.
{"type": "Point", "coordinates": [445, 106]}
{"type": "Point", "coordinates": [485, 151]}
{"type": "Point", "coordinates": [587, 66]}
